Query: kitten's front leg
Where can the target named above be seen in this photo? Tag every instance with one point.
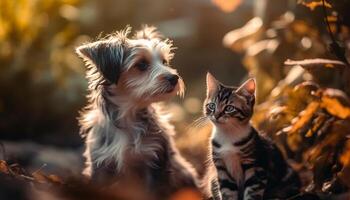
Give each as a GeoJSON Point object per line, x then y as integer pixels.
{"type": "Point", "coordinates": [229, 194]}
{"type": "Point", "coordinates": [228, 188]}
{"type": "Point", "coordinates": [215, 189]}
{"type": "Point", "coordinates": [255, 184]}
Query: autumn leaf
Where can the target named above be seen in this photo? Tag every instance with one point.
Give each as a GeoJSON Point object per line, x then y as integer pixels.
{"type": "Point", "coordinates": [3, 167]}
{"type": "Point", "coordinates": [40, 177]}
{"type": "Point", "coordinates": [316, 124]}
{"type": "Point", "coordinates": [294, 141]}
{"type": "Point", "coordinates": [54, 179]}
{"type": "Point", "coordinates": [186, 194]}
{"type": "Point", "coordinates": [304, 117]}
{"type": "Point", "coordinates": [345, 160]}
{"type": "Point", "coordinates": [314, 4]}
{"type": "Point", "coordinates": [334, 107]}
{"type": "Point", "coordinates": [240, 39]}
{"type": "Point", "coordinates": [345, 157]}
{"type": "Point", "coordinates": [227, 5]}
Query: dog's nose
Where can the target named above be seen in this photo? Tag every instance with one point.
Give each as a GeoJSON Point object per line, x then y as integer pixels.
{"type": "Point", "coordinates": [172, 79]}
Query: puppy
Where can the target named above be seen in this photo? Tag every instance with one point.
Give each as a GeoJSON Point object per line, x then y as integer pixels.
{"type": "Point", "coordinates": [127, 137]}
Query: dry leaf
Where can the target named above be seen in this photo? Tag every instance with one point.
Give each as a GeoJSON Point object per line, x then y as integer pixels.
{"type": "Point", "coordinates": [345, 157]}
{"type": "Point", "coordinates": [40, 177]}
{"type": "Point", "coordinates": [294, 141]}
{"type": "Point", "coordinates": [4, 167]}
{"type": "Point", "coordinates": [55, 179]}
{"type": "Point", "coordinates": [227, 5]}
{"type": "Point", "coordinates": [334, 107]}
{"type": "Point", "coordinates": [316, 124]}
{"type": "Point", "coordinates": [304, 117]}
{"type": "Point", "coordinates": [314, 4]}
{"type": "Point", "coordinates": [239, 39]}
{"type": "Point", "coordinates": [186, 194]}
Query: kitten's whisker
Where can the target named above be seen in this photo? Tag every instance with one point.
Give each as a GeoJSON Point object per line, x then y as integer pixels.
{"type": "Point", "coordinates": [200, 122]}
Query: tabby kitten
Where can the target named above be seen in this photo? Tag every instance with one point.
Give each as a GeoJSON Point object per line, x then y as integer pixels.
{"type": "Point", "coordinates": [249, 166]}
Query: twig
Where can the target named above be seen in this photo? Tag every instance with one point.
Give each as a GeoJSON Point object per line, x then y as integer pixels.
{"type": "Point", "coordinates": [314, 62]}
{"type": "Point", "coordinates": [334, 46]}
{"type": "Point", "coordinates": [40, 168]}
{"type": "Point", "coordinates": [327, 22]}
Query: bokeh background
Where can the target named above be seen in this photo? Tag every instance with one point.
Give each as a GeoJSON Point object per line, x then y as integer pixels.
{"type": "Point", "coordinates": [42, 83]}
{"type": "Point", "coordinates": [42, 80]}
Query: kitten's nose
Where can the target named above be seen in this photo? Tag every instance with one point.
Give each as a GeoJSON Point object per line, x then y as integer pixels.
{"type": "Point", "coordinates": [172, 79]}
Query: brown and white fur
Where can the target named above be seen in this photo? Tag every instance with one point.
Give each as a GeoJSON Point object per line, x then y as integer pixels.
{"type": "Point", "coordinates": [128, 138]}
{"type": "Point", "coordinates": [249, 165]}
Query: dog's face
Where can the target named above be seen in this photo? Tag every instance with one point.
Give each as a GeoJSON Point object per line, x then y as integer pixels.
{"type": "Point", "coordinates": [137, 67]}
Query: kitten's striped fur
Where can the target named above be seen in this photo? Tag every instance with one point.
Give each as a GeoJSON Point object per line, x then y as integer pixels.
{"type": "Point", "coordinates": [249, 165]}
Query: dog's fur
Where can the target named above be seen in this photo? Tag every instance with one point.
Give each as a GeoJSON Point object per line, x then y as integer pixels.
{"type": "Point", "coordinates": [127, 136]}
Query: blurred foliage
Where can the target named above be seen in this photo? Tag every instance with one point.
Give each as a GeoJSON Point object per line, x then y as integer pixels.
{"type": "Point", "coordinates": [303, 103]}
{"type": "Point", "coordinates": [299, 62]}
{"type": "Point", "coordinates": [314, 4]}
{"type": "Point", "coordinates": [37, 39]}
{"type": "Point", "coordinates": [227, 5]}
{"type": "Point", "coordinates": [40, 186]}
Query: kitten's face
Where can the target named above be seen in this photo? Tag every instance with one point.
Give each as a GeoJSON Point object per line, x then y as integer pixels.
{"type": "Point", "coordinates": [229, 106]}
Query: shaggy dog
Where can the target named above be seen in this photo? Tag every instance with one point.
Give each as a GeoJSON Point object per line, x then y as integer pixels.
{"type": "Point", "coordinates": [127, 137]}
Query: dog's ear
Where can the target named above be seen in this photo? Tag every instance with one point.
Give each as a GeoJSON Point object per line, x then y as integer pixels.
{"type": "Point", "coordinates": [148, 33]}
{"type": "Point", "coordinates": [107, 56]}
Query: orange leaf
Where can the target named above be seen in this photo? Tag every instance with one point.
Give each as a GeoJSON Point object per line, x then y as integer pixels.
{"type": "Point", "coordinates": [334, 107]}
{"type": "Point", "coordinates": [345, 157]}
{"type": "Point", "coordinates": [304, 117]}
{"type": "Point", "coordinates": [314, 4]}
{"type": "Point", "coordinates": [54, 179]}
{"type": "Point", "coordinates": [316, 124]}
{"type": "Point", "coordinates": [186, 194]}
{"type": "Point", "coordinates": [40, 177]}
{"type": "Point", "coordinates": [227, 5]}
{"type": "Point", "coordinates": [4, 167]}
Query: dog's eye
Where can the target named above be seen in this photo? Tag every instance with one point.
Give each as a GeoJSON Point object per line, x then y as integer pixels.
{"type": "Point", "coordinates": [142, 65]}
{"type": "Point", "coordinates": [211, 107]}
{"type": "Point", "coordinates": [165, 62]}
{"type": "Point", "coordinates": [229, 109]}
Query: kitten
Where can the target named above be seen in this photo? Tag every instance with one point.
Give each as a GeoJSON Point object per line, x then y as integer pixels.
{"type": "Point", "coordinates": [249, 166]}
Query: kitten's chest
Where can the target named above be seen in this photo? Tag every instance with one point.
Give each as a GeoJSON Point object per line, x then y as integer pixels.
{"type": "Point", "coordinates": [231, 157]}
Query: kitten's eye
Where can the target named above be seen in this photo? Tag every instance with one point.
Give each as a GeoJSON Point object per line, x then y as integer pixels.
{"type": "Point", "coordinates": [165, 62]}
{"type": "Point", "coordinates": [211, 106]}
{"type": "Point", "coordinates": [229, 109]}
{"type": "Point", "coordinates": [142, 65]}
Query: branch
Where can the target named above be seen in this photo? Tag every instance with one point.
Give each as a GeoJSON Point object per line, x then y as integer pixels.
{"type": "Point", "coordinates": [315, 62]}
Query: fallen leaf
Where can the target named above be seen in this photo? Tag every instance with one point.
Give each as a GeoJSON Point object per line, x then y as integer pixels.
{"type": "Point", "coordinates": [40, 177]}
{"type": "Point", "coordinates": [4, 167]}
{"type": "Point", "coordinates": [55, 179]}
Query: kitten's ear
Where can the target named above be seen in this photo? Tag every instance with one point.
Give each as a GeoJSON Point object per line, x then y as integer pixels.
{"type": "Point", "coordinates": [248, 89]}
{"type": "Point", "coordinates": [212, 84]}
{"type": "Point", "coordinates": [148, 33]}
{"type": "Point", "coordinates": [106, 56]}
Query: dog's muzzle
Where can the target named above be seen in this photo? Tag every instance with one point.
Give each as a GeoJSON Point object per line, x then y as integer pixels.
{"type": "Point", "coordinates": [172, 80]}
